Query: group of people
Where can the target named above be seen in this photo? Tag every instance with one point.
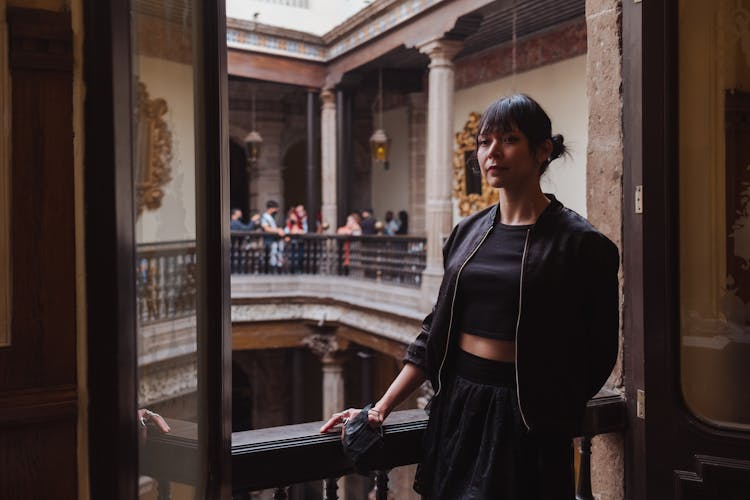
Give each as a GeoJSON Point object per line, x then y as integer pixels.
{"type": "Point", "coordinates": [296, 222]}
{"type": "Point", "coordinates": [365, 223]}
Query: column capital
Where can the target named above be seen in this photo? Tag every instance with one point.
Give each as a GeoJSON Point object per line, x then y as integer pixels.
{"type": "Point", "coordinates": [326, 346]}
{"type": "Point", "coordinates": [441, 51]}
{"type": "Point", "coordinates": [328, 98]}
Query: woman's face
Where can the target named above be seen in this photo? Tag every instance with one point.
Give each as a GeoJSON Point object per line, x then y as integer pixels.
{"type": "Point", "coordinates": [506, 159]}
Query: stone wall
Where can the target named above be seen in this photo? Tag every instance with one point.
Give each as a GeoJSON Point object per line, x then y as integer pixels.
{"type": "Point", "coordinates": [604, 193]}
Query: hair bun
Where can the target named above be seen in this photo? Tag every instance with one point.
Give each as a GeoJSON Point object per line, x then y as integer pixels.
{"type": "Point", "coordinates": [558, 147]}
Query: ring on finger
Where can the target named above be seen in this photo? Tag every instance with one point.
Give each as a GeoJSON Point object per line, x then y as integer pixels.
{"type": "Point", "coordinates": [345, 420]}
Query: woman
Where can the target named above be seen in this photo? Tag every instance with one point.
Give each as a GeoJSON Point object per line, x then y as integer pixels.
{"type": "Point", "coordinates": [523, 333]}
{"type": "Point", "coordinates": [352, 226]}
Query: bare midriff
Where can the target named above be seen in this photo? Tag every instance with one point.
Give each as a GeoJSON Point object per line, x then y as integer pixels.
{"type": "Point", "coordinates": [496, 350]}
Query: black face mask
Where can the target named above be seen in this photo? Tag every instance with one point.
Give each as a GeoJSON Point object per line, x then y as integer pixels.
{"type": "Point", "coordinates": [362, 444]}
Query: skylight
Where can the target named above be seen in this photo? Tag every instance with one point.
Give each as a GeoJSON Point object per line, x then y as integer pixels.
{"type": "Point", "coordinates": [312, 16]}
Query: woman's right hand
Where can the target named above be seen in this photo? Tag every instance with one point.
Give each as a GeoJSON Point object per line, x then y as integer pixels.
{"type": "Point", "coordinates": [374, 417]}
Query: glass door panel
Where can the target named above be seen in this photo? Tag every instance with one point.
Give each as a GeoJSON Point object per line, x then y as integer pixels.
{"type": "Point", "coordinates": [714, 190]}
{"type": "Point", "coordinates": [164, 164]}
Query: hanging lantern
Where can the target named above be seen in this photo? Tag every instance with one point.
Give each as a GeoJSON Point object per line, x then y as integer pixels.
{"type": "Point", "coordinates": [253, 140]}
{"type": "Point", "coordinates": [379, 148]}
{"type": "Point", "coordinates": [379, 142]}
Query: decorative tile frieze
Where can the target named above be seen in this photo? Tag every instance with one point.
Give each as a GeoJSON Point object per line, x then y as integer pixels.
{"type": "Point", "coordinates": [397, 13]}
{"type": "Point", "coordinates": [256, 37]}
{"type": "Point", "coordinates": [240, 38]}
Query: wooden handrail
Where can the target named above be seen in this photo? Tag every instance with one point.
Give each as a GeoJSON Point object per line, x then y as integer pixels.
{"type": "Point", "coordinates": [280, 456]}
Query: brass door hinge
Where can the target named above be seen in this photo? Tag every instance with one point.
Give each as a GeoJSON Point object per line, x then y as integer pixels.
{"type": "Point", "coordinates": [640, 406]}
{"type": "Point", "coordinates": [639, 199]}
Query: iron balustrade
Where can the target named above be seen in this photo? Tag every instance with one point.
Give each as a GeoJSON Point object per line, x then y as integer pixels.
{"type": "Point", "coordinates": [165, 272]}
{"type": "Point", "coordinates": [278, 457]}
{"type": "Point", "coordinates": [393, 259]}
{"type": "Point", "coordinates": [165, 281]}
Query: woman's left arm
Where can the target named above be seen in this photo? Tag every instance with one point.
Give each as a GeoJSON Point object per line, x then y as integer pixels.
{"type": "Point", "coordinates": [602, 263]}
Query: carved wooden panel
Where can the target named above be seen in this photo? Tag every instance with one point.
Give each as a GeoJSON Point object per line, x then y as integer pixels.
{"type": "Point", "coordinates": [714, 478]}
{"type": "Point", "coordinates": [38, 391]}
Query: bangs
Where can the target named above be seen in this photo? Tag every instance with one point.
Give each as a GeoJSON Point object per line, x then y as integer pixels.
{"type": "Point", "coordinates": [517, 111]}
{"type": "Point", "coordinates": [498, 118]}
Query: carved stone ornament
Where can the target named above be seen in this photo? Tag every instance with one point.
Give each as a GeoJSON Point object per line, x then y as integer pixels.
{"type": "Point", "coordinates": [325, 346]}
{"type": "Point", "coordinates": [153, 152]}
{"type": "Point", "coordinates": [473, 193]}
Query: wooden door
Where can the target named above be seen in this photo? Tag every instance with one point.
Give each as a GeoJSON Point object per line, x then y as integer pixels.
{"type": "Point", "coordinates": [38, 382]}
{"type": "Point", "coordinates": [686, 323]}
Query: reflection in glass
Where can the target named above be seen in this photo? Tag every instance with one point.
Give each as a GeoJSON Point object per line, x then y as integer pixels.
{"type": "Point", "coordinates": [165, 230]}
{"type": "Point", "coordinates": [714, 212]}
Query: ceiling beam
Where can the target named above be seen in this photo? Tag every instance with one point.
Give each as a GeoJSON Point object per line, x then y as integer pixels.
{"type": "Point", "coordinates": [275, 69]}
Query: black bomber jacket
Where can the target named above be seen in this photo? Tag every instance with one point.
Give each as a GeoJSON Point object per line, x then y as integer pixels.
{"type": "Point", "coordinates": [568, 319]}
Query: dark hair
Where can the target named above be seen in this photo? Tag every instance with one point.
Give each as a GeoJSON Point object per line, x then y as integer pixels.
{"type": "Point", "coordinates": [272, 204]}
{"type": "Point", "coordinates": [527, 115]}
{"type": "Point", "coordinates": [234, 211]}
{"type": "Point", "coordinates": [403, 227]}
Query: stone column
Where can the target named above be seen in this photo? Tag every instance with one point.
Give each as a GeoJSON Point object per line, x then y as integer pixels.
{"type": "Point", "coordinates": [604, 165]}
{"type": "Point", "coordinates": [438, 157]}
{"type": "Point", "coordinates": [331, 354]}
{"type": "Point", "coordinates": [417, 137]}
{"type": "Point", "coordinates": [328, 158]}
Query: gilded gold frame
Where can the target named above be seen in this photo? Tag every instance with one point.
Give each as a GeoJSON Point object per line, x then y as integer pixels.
{"type": "Point", "coordinates": [153, 151]}
{"type": "Point", "coordinates": [469, 203]}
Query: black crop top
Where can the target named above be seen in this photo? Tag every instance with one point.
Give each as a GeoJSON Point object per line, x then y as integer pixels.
{"type": "Point", "coordinates": [487, 296]}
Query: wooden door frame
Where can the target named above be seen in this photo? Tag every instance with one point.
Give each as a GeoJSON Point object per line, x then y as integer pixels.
{"type": "Point", "coordinates": [632, 242]}
{"type": "Point", "coordinates": [669, 437]}
{"type": "Point", "coordinates": [110, 252]}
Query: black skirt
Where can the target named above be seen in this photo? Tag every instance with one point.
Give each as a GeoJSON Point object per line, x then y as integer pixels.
{"type": "Point", "coordinates": [476, 446]}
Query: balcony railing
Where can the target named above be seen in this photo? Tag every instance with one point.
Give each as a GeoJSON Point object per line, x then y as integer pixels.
{"type": "Point", "coordinates": [165, 281]}
{"type": "Point", "coordinates": [165, 272]}
{"type": "Point", "coordinates": [281, 456]}
{"type": "Point", "coordinates": [393, 259]}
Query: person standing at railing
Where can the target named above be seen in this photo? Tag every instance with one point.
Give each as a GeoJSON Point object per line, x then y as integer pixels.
{"type": "Point", "coordinates": [351, 228]}
{"type": "Point", "coordinates": [390, 226]}
{"type": "Point", "coordinates": [296, 224]}
{"type": "Point", "coordinates": [274, 245]}
{"type": "Point", "coordinates": [368, 222]}
{"type": "Point", "coordinates": [523, 333]}
{"type": "Point", "coordinates": [235, 221]}
{"type": "Point", "coordinates": [403, 223]}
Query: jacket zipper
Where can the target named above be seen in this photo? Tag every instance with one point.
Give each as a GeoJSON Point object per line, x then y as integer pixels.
{"type": "Point", "coordinates": [453, 304]}
{"type": "Point", "coordinates": [518, 322]}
